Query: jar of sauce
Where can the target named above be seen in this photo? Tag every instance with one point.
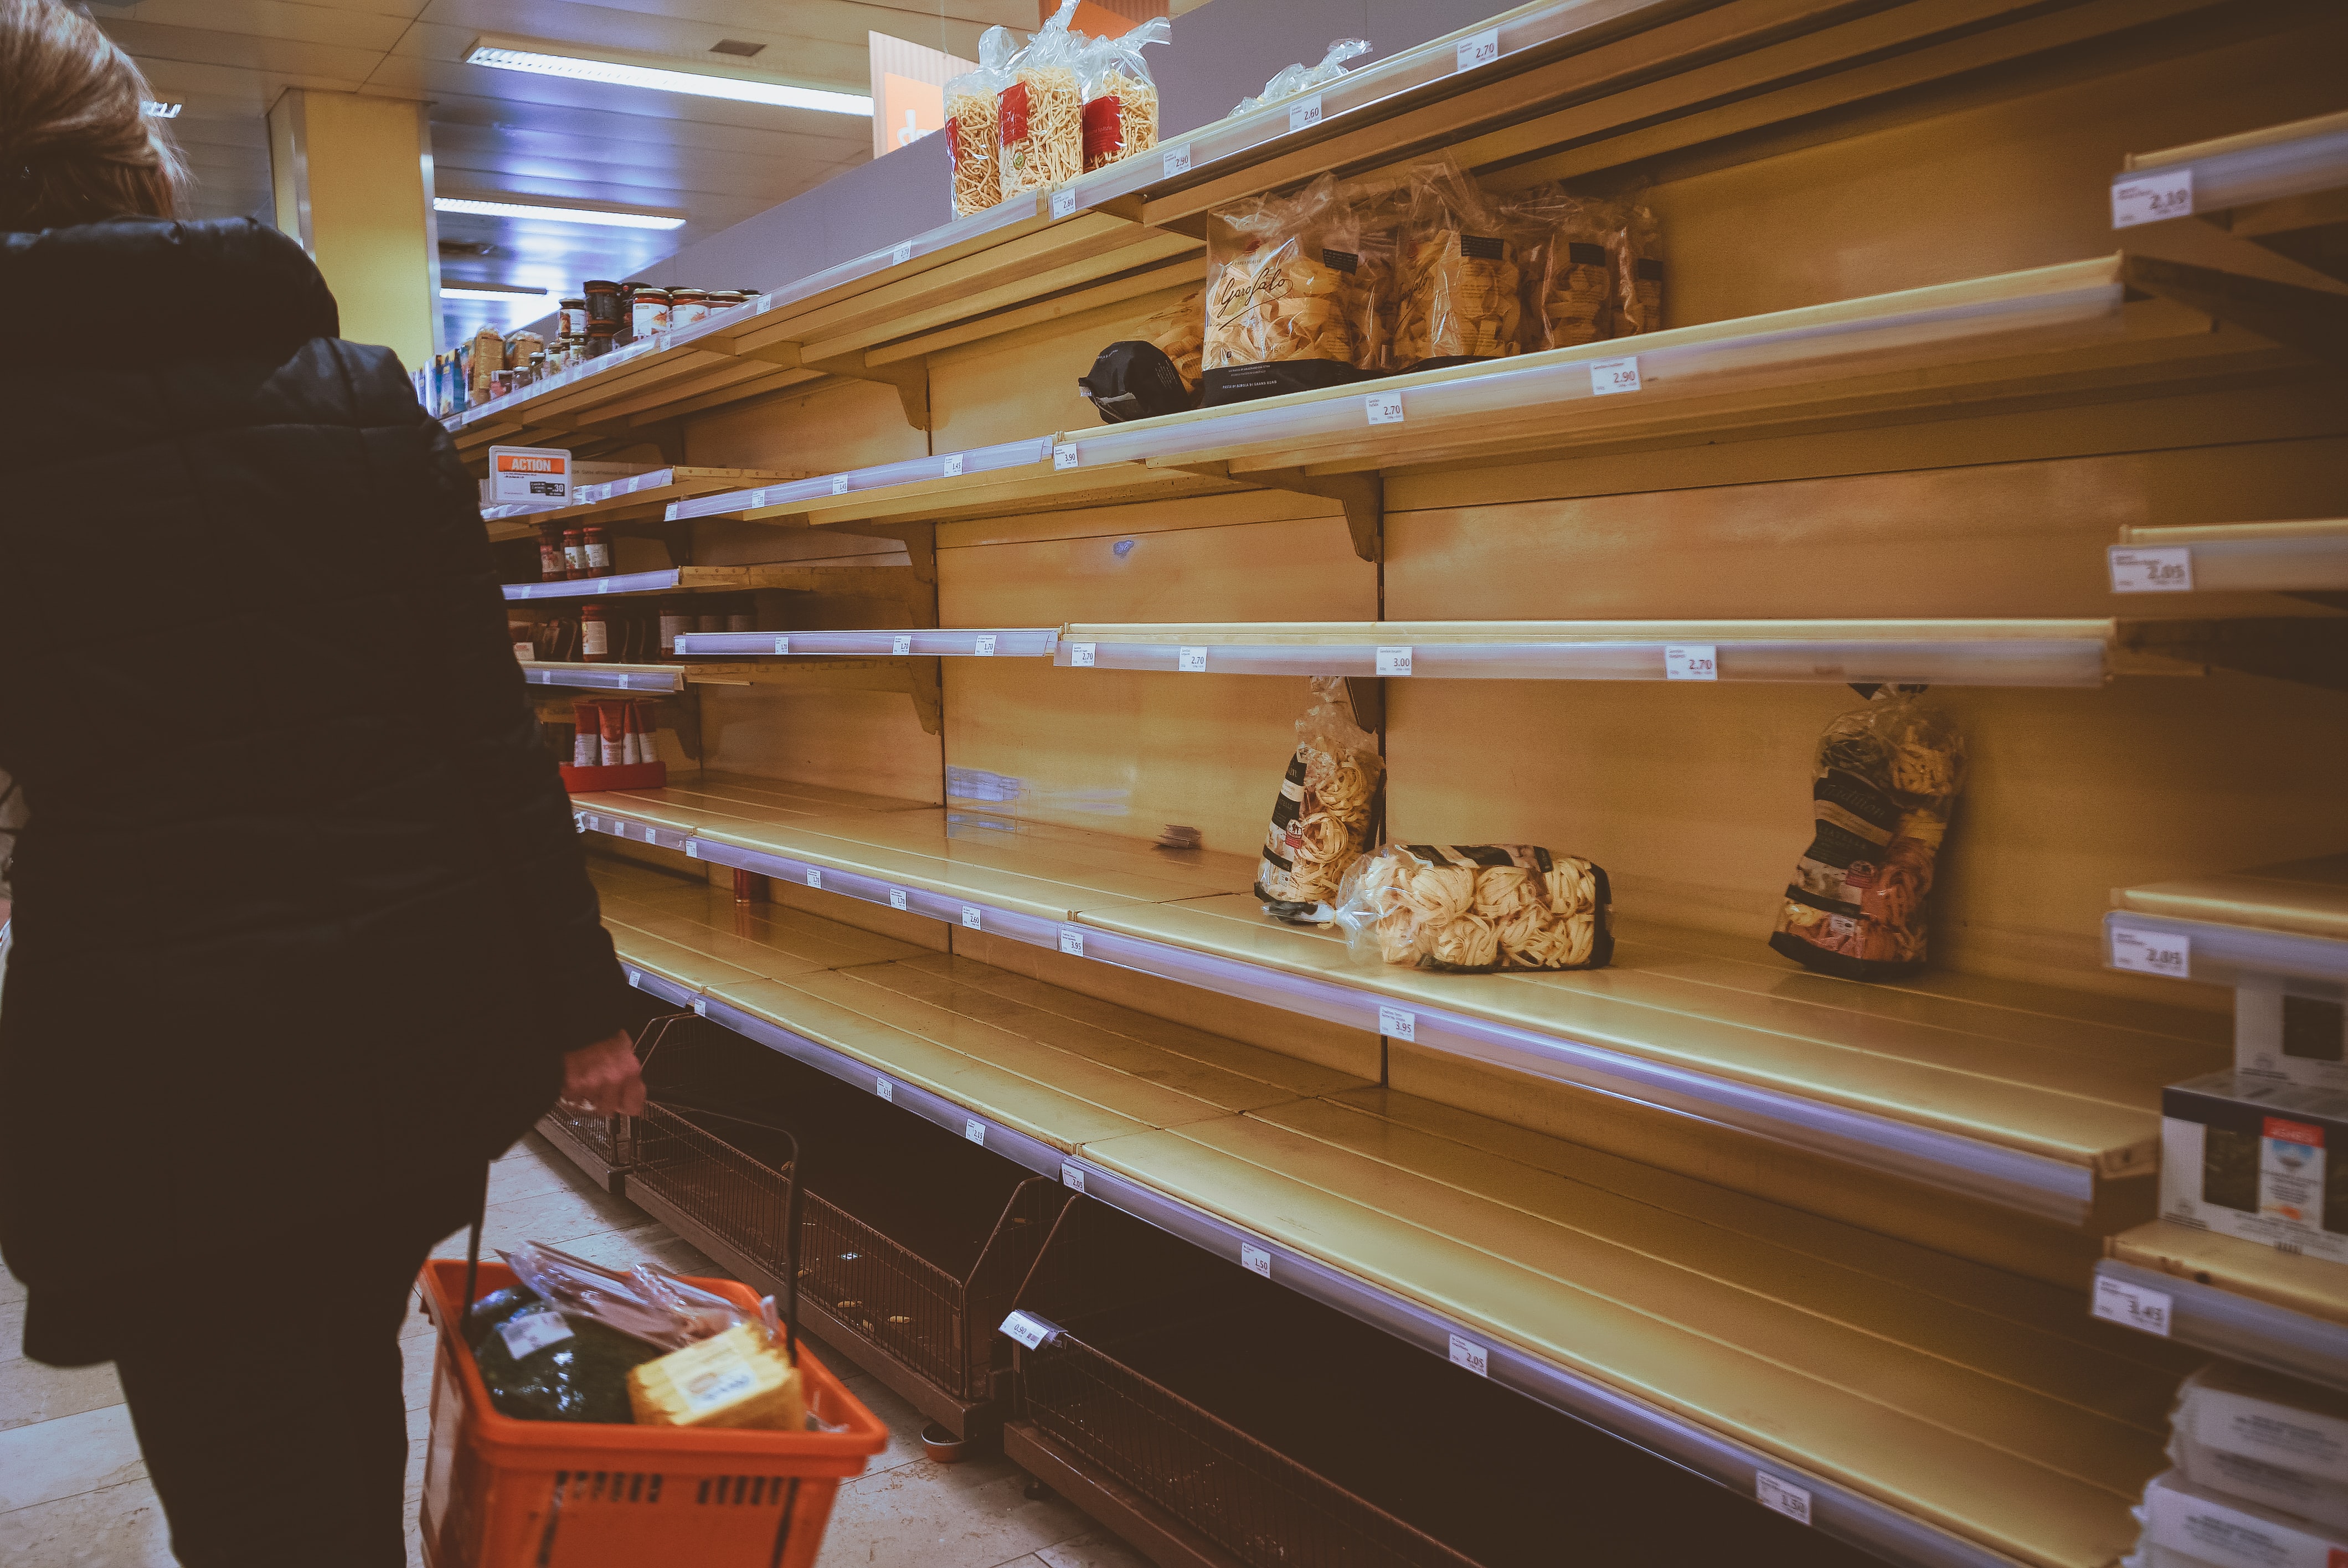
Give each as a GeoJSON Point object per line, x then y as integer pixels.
{"type": "Point", "coordinates": [686, 306]}
{"type": "Point", "coordinates": [599, 550]}
{"type": "Point", "coordinates": [594, 635]}
{"type": "Point", "coordinates": [651, 312]}
{"type": "Point", "coordinates": [602, 300]}
{"type": "Point", "coordinates": [575, 554]}
{"type": "Point", "coordinates": [600, 337]}
{"type": "Point", "coordinates": [574, 316]}
{"type": "Point", "coordinates": [551, 565]}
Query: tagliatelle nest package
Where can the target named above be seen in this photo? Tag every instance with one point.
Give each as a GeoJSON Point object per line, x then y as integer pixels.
{"type": "Point", "coordinates": [1457, 294]}
{"type": "Point", "coordinates": [1326, 815]}
{"type": "Point", "coordinates": [1280, 280]}
{"type": "Point", "coordinates": [1477, 907]}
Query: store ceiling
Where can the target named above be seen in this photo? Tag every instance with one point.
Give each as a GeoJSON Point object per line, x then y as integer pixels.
{"type": "Point", "coordinates": [497, 131]}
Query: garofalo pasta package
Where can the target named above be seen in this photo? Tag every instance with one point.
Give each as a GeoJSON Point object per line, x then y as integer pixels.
{"type": "Point", "coordinates": [972, 134]}
{"type": "Point", "coordinates": [1475, 907]}
{"type": "Point", "coordinates": [1120, 98]}
{"type": "Point", "coordinates": [1887, 778]}
{"type": "Point", "coordinates": [1282, 299]}
{"type": "Point", "coordinates": [1326, 815]}
{"type": "Point", "coordinates": [1040, 114]}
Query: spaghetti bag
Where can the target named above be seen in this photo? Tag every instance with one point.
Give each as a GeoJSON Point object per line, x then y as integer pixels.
{"type": "Point", "coordinates": [1324, 817]}
{"type": "Point", "coordinates": [1040, 114]}
{"type": "Point", "coordinates": [1476, 907]}
{"type": "Point", "coordinates": [1459, 294]}
{"type": "Point", "coordinates": [1635, 252]}
{"type": "Point", "coordinates": [973, 133]}
{"type": "Point", "coordinates": [1120, 98]}
{"type": "Point", "coordinates": [1281, 295]}
{"type": "Point", "coordinates": [1887, 778]}
{"type": "Point", "coordinates": [1569, 273]}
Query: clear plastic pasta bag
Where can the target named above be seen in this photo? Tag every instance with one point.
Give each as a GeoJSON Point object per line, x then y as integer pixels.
{"type": "Point", "coordinates": [1040, 114]}
{"type": "Point", "coordinates": [1458, 292]}
{"type": "Point", "coordinates": [1471, 908]}
{"type": "Point", "coordinates": [1886, 782]}
{"type": "Point", "coordinates": [972, 128]}
{"type": "Point", "coordinates": [1569, 273]}
{"type": "Point", "coordinates": [1379, 210]}
{"type": "Point", "coordinates": [1325, 816]}
{"type": "Point", "coordinates": [1300, 77]}
{"type": "Point", "coordinates": [1120, 96]}
{"type": "Point", "coordinates": [1281, 295]}
{"type": "Point", "coordinates": [650, 1304]}
{"type": "Point", "coordinates": [1635, 250]}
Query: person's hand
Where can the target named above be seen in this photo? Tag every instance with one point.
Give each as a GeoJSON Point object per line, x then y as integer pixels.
{"type": "Point", "coordinates": [604, 1078]}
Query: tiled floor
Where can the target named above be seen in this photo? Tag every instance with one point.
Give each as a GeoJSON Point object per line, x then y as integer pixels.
{"type": "Point", "coordinates": [74, 1494]}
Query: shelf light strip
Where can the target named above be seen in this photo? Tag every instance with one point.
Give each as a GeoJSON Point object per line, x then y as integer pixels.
{"type": "Point", "coordinates": [593, 587]}
{"type": "Point", "coordinates": [825, 487]}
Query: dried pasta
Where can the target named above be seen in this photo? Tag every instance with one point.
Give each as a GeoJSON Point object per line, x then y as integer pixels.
{"type": "Point", "coordinates": [1324, 816]}
{"type": "Point", "coordinates": [1120, 98]}
{"type": "Point", "coordinates": [1477, 907]}
{"type": "Point", "coordinates": [1281, 281]}
{"type": "Point", "coordinates": [1042, 125]}
{"type": "Point", "coordinates": [973, 126]}
{"type": "Point", "coordinates": [1458, 295]}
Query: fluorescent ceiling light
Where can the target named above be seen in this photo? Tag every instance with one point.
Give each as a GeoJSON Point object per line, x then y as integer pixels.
{"type": "Point", "coordinates": [514, 293]}
{"type": "Point", "coordinates": [701, 84]}
{"type": "Point", "coordinates": [154, 110]}
{"type": "Point", "coordinates": [601, 216]}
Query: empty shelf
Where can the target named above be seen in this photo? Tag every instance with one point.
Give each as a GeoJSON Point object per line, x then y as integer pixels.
{"type": "Point", "coordinates": [2290, 919]}
{"type": "Point", "coordinates": [2277, 557]}
{"type": "Point", "coordinates": [709, 802]}
{"type": "Point", "coordinates": [967, 642]}
{"type": "Point", "coordinates": [719, 580]}
{"type": "Point", "coordinates": [2285, 186]}
{"type": "Point", "coordinates": [695, 936]}
{"type": "Point", "coordinates": [646, 678]}
{"type": "Point", "coordinates": [2238, 1298]}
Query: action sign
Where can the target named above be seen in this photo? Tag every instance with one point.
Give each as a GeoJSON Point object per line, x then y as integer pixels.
{"type": "Point", "coordinates": [529, 476]}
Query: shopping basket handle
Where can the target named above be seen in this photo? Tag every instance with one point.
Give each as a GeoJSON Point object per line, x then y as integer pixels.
{"type": "Point", "coordinates": [790, 1211]}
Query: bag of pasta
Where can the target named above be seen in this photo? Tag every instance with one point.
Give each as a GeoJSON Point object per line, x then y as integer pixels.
{"type": "Point", "coordinates": [1040, 114]}
{"type": "Point", "coordinates": [1887, 778]}
{"type": "Point", "coordinates": [1379, 209]}
{"type": "Point", "coordinates": [1634, 250]}
{"type": "Point", "coordinates": [1569, 279]}
{"type": "Point", "coordinates": [1459, 287]}
{"type": "Point", "coordinates": [1289, 80]}
{"type": "Point", "coordinates": [1120, 98]}
{"type": "Point", "coordinates": [1326, 815]}
{"type": "Point", "coordinates": [1281, 297]}
{"type": "Point", "coordinates": [1137, 378]}
{"type": "Point", "coordinates": [1475, 907]}
{"type": "Point", "coordinates": [973, 133]}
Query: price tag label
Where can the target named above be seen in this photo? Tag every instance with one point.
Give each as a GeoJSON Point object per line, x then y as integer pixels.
{"type": "Point", "coordinates": [670, 515]}
{"type": "Point", "coordinates": [1480, 51]}
{"type": "Point", "coordinates": [1178, 160]}
{"type": "Point", "coordinates": [885, 1089]}
{"type": "Point", "coordinates": [1254, 1259]}
{"type": "Point", "coordinates": [1793, 1501]}
{"type": "Point", "coordinates": [954, 465]}
{"type": "Point", "coordinates": [782, 644]}
{"type": "Point", "coordinates": [2133, 1305]}
{"type": "Point", "coordinates": [900, 645]}
{"type": "Point", "coordinates": [535, 1332]}
{"type": "Point", "coordinates": [1608, 376]}
{"type": "Point", "coordinates": [1305, 112]}
{"type": "Point", "coordinates": [982, 647]}
{"type": "Point", "coordinates": [624, 682]}
{"type": "Point", "coordinates": [757, 498]}
{"type": "Point", "coordinates": [2152, 952]}
{"type": "Point", "coordinates": [970, 917]}
{"type": "Point", "coordinates": [815, 877]}
{"type": "Point", "coordinates": [762, 305]}
{"type": "Point", "coordinates": [839, 484]}
{"type": "Point", "coordinates": [595, 823]}
{"type": "Point", "coordinates": [701, 1007]}
{"type": "Point", "coordinates": [902, 253]}
{"type": "Point", "coordinates": [1469, 1354]}
{"type": "Point", "coordinates": [1691, 661]}
{"type": "Point", "coordinates": [1063, 203]}
{"type": "Point", "coordinates": [1026, 1329]}
{"type": "Point", "coordinates": [974, 1130]}
{"type": "Point", "coordinates": [896, 897]}
{"type": "Point", "coordinates": [2169, 569]}
{"type": "Point", "coordinates": [1394, 661]}
{"type": "Point", "coordinates": [648, 837]}
{"type": "Point", "coordinates": [1398, 1023]}
{"type": "Point", "coordinates": [693, 849]}
{"type": "Point", "coordinates": [1063, 456]}
{"type": "Point", "coordinates": [2153, 201]}
{"type": "Point", "coordinates": [1385, 408]}
{"type": "Point", "coordinates": [635, 976]}
{"type": "Point", "coordinates": [1072, 1176]}
{"type": "Point", "coordinates": [1072, 941]}
{"type": "Point", "coordinates": [1080, 655]}
{"type": "Point", "coordinates": [1190, 661]}
{"type": "Point", "coordinates": [525, 651]}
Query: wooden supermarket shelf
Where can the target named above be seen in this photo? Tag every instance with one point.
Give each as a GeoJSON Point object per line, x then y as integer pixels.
{"type": "Point", "coordinates": [2277, 928]}
{"type": "Point", "coordinates": [2240, 1299]}
{"type": "Point", "coordinates": [2308, 559]}
{"type": "Point", "coordinates": [639, 495]}
{"type": "Point", "coordinates": [695, 936]}
{"type": "Point", "coordinates": [916, 678]}
{"type": "Point", "coordinates": [864, 582]}
{"type": "Point", "coordinates": [2285, 186]}
{"type": "Point", "coordinates": [694, 802]}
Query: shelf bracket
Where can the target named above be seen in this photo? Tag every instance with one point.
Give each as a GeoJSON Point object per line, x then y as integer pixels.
{"type": "Point", "coordinates": [2312, 650]}
{"type": "Point", "coordinates": [920, 539]}
{"type": "Point", "coordinates": [911, 377]}
{"type": "Point", "coordinates": [2311, 321]}
{"type": "Point", "coordinates": [1364, 496]}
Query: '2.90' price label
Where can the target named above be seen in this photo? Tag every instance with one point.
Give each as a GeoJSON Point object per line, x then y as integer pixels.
{"type": "Point", "coordinates": [2150, 952]}
{"type": "Point", "coordinates": [1608, 376]}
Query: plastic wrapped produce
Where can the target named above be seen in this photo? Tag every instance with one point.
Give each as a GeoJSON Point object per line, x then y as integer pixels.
{"type": "Point", "coordinates": [1476, 907]}
{"type": "Point", "coordinates": [1887, 777]}
{"type": "Point", "coordinates": [1135, 379]}
{"type": "Point", "coordinates": [1635, 252]}
{"type": "Point", "coordinates": [2264, 1437]}
{"type": "Point", "coordinates": [1325, 816]}
{"type": "Point", "coordinates": [1041, 113]}
{"type": "Point", "coordinates": [1459, 285]}
{"type": "Point", "coordinates": [1300, 77]}
{"type": "Point", "coordinates": [973, 130]}
{"type": "Point", "coordinates": [1120, 97]}
{"type": "Point", "coordinates": [1280, 298]}
{"type": "Point", "coordinates": [1568, 270]}
{"type": "Point", "coordinates": [542, 1365]}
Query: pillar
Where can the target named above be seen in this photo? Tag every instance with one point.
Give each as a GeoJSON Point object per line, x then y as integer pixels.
{"type": "Point", "coordinates": [354, 183]}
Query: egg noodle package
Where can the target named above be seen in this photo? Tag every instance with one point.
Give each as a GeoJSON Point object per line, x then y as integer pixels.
{"type": "Point", "coordinates": [1282, 299]}
{"type": "Point", "coordinates": [973, 125]}
{"type": "Point", "coordinates": [1041, 116]}
{"type": "Point", "coordinates": [1885, 782]}
{"type": "Point", "coordinates": [1326, 815]}
{"type": "Point", "coordinates": [1476, 907]}
{"type": "Point", "coordinates": [1568, 270]}
{"type": "Point", "coordinates": [2266, 1439]}
{"type": "Point", "coordinates": [1459, 288]}
{"type": "Point", "coordinates": [1120, 98]}
{"type": "Point", "coordinates": [1135, 379]}
{"type": "Point", "coordinates": [1300, 77]}
{"type": "Point", "coordinates": [1635, 248]}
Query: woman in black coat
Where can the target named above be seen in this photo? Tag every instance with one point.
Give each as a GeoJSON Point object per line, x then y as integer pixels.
{"type": "Point", "coordinates": [303, 933]}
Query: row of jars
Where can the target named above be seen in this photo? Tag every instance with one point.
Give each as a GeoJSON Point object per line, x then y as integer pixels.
{"type": "Point", "coordinates": [608, 313]}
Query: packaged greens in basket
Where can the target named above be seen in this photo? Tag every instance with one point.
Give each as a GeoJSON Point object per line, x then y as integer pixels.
{"type": "Point", "coordinates": [1325, 814]}
{"type": "Point", "coordinates": [1476, 907]}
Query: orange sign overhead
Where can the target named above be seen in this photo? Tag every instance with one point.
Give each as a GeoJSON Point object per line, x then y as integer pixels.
{"type": "Point", "coordinates": [909, 110]}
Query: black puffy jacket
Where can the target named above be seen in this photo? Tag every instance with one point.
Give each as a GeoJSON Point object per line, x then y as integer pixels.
{"type": "Point", "coordinates": [302, 927]}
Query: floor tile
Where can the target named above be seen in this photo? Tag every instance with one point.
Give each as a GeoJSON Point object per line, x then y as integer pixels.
{"type": "Point", "coordinates": [11, 1288]}
{"type": "Point", "coordinates": [11, 1329]}
{"type": "Point", "coordinates": [71, 1454]}
{"type": "Point", "coordinates": [564, 1213]}
{"type": "Point", "coordinates": [1097, 1550]}
{"type": "Point", "coordinates": [115, 1527]}
{"type": "Point", "coordinates": [927, 1515]}
{"type": "Point", "coordinates": [524, 1178]}
{"type": "Point", "coordinates": [31, 1392]}
{"type": "Point", "coordinates": [415, 1359]}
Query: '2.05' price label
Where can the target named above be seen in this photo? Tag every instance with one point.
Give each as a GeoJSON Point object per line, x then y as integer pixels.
{"type": "Point", "coordinates": [2150, 952]}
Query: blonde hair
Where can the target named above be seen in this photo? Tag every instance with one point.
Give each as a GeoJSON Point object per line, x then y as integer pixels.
{"type": "Point", "coordinates": [75, 145]}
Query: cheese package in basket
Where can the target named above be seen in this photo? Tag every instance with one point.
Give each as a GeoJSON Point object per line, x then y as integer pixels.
{"type": "Point", "coordinates": [2266, 1439]}
{"type": "Point", "coordinates": [1470, 908]}
{"type": "Point", "coordinates": [739, 1378]}
{"type": "Point", "coordinates": [1325, 814]}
